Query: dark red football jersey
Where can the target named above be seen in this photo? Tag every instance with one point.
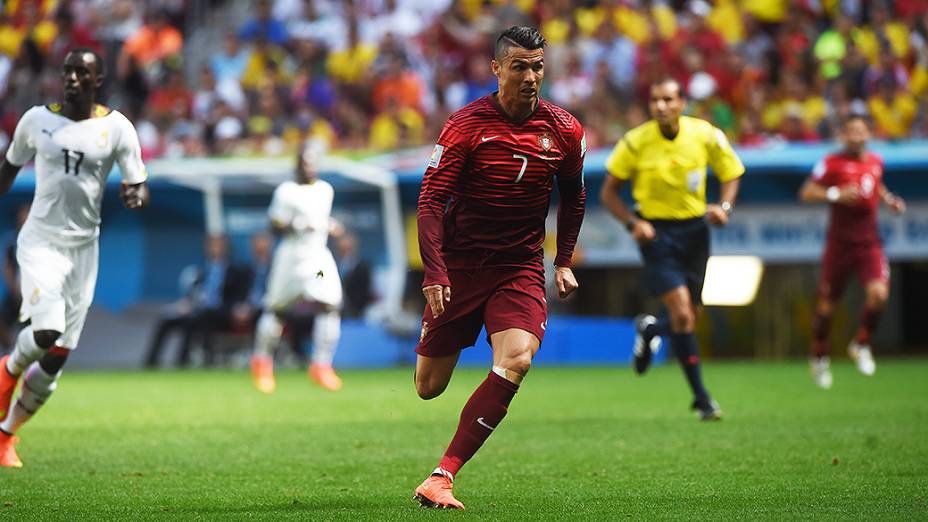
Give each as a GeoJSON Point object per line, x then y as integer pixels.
{"type": "Point", "coordinates": [855, 223]}
{"type": "Point", "coordinates": [488, 184]}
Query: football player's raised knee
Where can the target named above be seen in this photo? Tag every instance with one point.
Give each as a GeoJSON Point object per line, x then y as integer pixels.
{"type": "Point", "coordinates": [683, 321]}
{"type": "Point", "coordinates": [429, 388]}
{"type": "Point", "coordinates": [45, 339]}
{"type": "Point", "coordinates": [518, 358]}
{"type": "Point", "coordinates": [877, 296]}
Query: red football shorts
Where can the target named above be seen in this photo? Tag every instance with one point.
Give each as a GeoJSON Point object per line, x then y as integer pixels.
{"type": "Point", "coordinates": [498, 297]}
{"type": "Point", "coordinates": [839, 262]}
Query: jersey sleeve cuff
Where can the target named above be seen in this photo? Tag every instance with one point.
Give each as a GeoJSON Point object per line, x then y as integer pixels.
{"type": "Point", "coordinates": [436, 279]}
{"type": "Point", "coordinates": [562, 262]}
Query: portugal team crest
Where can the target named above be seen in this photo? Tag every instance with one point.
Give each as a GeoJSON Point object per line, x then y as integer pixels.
{"type": "Point", "coordinates": [545, 141]}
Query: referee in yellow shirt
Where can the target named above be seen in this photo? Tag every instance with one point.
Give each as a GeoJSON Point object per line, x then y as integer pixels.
{"type": "Point", "coordinates": [665, 159]}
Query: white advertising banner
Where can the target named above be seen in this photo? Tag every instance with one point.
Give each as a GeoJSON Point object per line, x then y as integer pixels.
{"type": "Point", "coordinates": [776, 233]}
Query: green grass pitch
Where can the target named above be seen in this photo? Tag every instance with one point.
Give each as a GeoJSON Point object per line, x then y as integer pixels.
{"type": "Point", "coordinates": [592, 444]}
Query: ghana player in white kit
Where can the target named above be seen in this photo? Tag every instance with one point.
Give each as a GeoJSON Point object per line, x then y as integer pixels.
{"type": "Point", "coordinates": [303, 269]}
{"type": "Point", "coordinates": [75, 144]}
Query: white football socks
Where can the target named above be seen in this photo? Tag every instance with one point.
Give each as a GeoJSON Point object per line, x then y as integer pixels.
{"type": "Point", "coordinates": [267, 334]}
{"type": "Point", "coordinates": [37, 387]}
{"type": "Point", "coordinates": [327, 329]}
{"type": "Point", "coordinates": [25, 353]}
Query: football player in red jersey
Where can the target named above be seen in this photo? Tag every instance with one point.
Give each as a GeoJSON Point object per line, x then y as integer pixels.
{"type": "Point", "coordinates": [481, 217]}
{"type": "Point", "coordinates": [851, 181]}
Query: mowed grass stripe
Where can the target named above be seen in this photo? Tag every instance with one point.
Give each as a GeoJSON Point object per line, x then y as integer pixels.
{"type": "Point", "coordinates": [586, 443]}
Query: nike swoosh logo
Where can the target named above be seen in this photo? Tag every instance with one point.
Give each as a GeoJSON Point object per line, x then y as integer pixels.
{"type": "Point", "coordinates": [488, 138]}
{"type": "Point", "coordinates": [484, 424]}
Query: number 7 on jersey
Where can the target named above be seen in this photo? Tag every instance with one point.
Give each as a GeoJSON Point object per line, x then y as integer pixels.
{"type": "Point", "coordinates": [524, 164]}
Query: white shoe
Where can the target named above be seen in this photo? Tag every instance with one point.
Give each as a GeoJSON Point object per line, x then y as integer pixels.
{"type": "Point", "coordinates": [863, 357]}
{"type": "Point", "coordinates": [820, 368]}
{"type": "Point", "coordinates": [645, 346]}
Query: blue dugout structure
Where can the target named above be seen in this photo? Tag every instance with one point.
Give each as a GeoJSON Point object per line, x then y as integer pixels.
{"type": "Point", "coordinates": [143, 253]}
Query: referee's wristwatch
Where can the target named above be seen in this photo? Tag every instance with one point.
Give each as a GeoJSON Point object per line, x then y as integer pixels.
{"type": "Point", "coordinates": [727, 207]}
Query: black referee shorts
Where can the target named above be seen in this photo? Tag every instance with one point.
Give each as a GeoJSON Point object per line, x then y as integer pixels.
{"type": "Point", "coordinates": [677, 256]}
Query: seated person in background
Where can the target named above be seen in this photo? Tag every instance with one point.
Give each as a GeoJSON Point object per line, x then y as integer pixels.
{"type": "Point", "coordinates": [356, 277]}
{"type": "Point", "coordinates": [261, 266]}
{"type": "Point", "coordinates": [225, 305]}
{"type": "Point", "coordinates": [206, 305]}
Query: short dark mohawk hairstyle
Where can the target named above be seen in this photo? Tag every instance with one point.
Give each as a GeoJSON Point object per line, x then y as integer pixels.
{"type": "Point", "coordinates": [101, 65]}
{"type": "Point", "coordinates": [524, 37]}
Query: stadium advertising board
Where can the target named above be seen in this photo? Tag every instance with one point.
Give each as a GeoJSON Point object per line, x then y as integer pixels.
{"type": "Point", "coordinates": [776, 233]}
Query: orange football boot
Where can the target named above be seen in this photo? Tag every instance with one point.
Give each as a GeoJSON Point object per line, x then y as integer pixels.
{"type": "Point", "coordinates": [7, 386]}
{"type": "Point", "coordinates": [324, 375]}
{"type": "Point", "coordinates": [436, 493]}
{"type": "Point", "coordinates": [262, 372]}
{"type": "Point", "coordinates": [8, 456]}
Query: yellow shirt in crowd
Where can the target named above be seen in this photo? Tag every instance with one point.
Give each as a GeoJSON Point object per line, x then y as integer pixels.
{"type": "Point", "coordinates": [894, 119]}
{"type": "Point", "coordinates": [812, 109]}
{"type": "Point", "coordinates": [767, 11]}
{"type": "Point", "coordinates": [352, 64]}
{"type": "Point", "coordinates": [669, 176]}
{"type": "Point", "coordinates": [897, 35]}
{"type": "Point", "coordinates": [634, 25]}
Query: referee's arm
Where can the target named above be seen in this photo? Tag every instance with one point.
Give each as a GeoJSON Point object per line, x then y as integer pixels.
{"type": "Point", "coordinates": [728, 169]}
{"type": "Point", "coordinates": [609, 196]}
{"type": "Point", "coordinates": [619, 167]}
{"type": "Point", "coordinates": [718, 214]}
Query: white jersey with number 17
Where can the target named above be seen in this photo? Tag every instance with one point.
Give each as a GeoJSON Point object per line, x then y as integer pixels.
{"type": "Point", "coordinates": [72, 161]}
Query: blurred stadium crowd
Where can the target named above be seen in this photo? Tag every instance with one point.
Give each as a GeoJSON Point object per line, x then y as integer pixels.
{"type": "Point", "coordinates": [376, 75]}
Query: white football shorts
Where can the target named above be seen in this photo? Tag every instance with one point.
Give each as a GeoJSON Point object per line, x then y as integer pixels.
{"type": "Point", "coordinates": [300, 274]}
{"type": "Point", "coordinates": [57, 285]}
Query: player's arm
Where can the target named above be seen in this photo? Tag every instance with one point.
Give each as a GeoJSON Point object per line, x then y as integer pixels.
{"type": "Point", "coordinates": [441, 176]}
{"type": "Point", "coordinates": [572, 191]}
{"type": "Point", "coordinates": [818, 189]}
{"type": "Point", "coordinates": [728, 168]}
{"type": "Point", "coordinates": [134, 187]}
{"type": "Point", "coordinates": [894, 202]}
{"type": "Point", "coordinates": [619, 168]}
{"type": "Point", "coordinates": [10, 273]}
{"type": "Point", "coordinates": [8, 173]}
{"type": "Point", "coordinates": [280, 229]}
{"type": "Point", "coordinates": [336, 228]}
{"type": "Point", "coordinates": [21, 151]}
{"type": "Point", "coordinates": [134, 196]}
{"type": "Point", "coordinates": [282, 215]}
{"type": "Point", "coordinates": [283, 224]}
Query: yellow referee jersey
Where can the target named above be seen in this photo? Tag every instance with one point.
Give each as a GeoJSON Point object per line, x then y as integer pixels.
{"type": "Point", "coordinates": [669, 176]}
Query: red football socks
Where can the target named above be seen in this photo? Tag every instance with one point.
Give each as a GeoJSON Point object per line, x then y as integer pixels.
{"type": "Point", "coordinates": [869, 320]}
{"type": "Point", "coordinates": [821, 325]}
{"type": "Point", "coordinates": [480, 416]}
